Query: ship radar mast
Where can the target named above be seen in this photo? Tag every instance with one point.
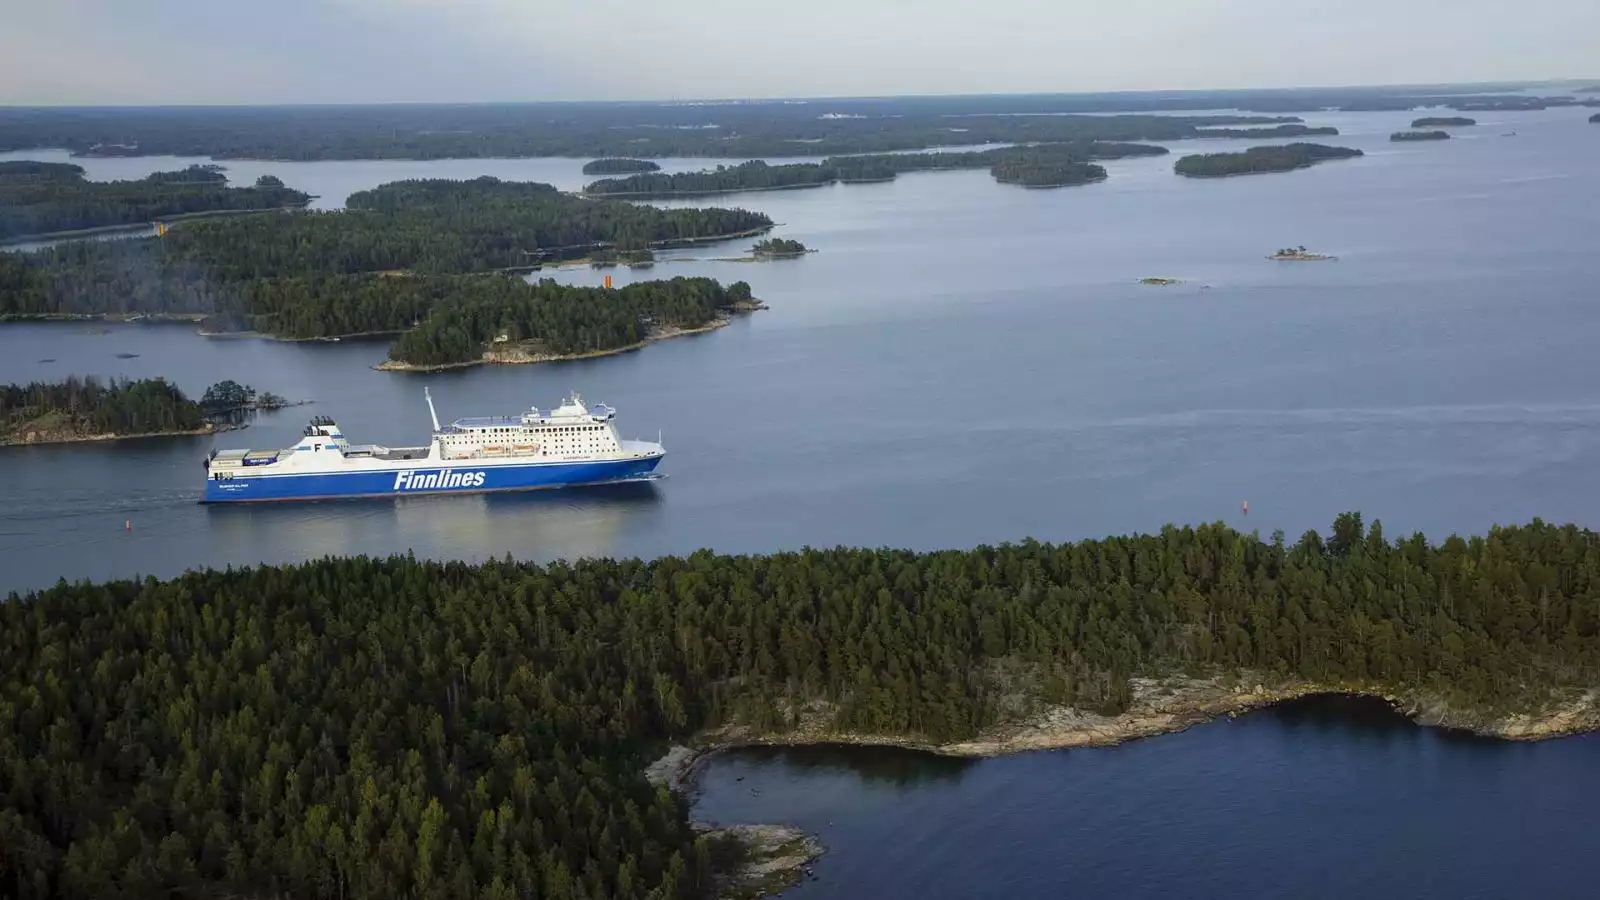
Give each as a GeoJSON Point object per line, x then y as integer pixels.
{"type": "Point", "coordinates": [431, 413]}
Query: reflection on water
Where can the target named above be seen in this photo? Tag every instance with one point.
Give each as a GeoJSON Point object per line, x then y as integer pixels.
{"type": "Point", "coordinates": [530, 524]}
{"type": "Point", "coordinates": [329, 526]}
{"type": "Point", "coordinates": [1361, 716]}
{"type": "Point", "coordinates": [885, 765]}
{"type": "Point", "coordinates": [1343, 712]}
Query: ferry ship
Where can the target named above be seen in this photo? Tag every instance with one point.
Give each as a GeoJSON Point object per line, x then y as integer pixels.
{"type": "Point", "coordinates": [567, 446]}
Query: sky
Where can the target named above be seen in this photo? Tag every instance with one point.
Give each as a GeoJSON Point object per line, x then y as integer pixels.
{"type": "Point", "coordinates": [88, 52]}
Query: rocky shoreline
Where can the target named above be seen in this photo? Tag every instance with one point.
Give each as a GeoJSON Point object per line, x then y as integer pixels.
{"type": "Point", "coordinates": [523, 355]}
{"type": "Point", "coordinates": [114, 318]}
{"type": "Point", "coordinates": [1045, 187]}
{"type": "Point", "coordinates": [34, 438]}
{"type": "Point", "coordinates": [1159, 706]}
{"type": "Point", "coordinates": [759, 860]}
{"type": "Point", "coordinates": [752, 860]}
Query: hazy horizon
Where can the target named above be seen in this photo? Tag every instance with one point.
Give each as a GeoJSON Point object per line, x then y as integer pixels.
{"type": "Point", "coordinates": [339, 52]}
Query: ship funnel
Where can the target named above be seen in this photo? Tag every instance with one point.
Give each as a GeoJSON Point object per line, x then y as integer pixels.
{"type": "Point", "coordinates": [432, 414]}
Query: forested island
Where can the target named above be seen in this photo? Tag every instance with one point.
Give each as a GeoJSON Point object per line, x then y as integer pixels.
{"type": "Point", "coordinates": [1047, 164]}
{"type": "Point", "coordinates": [1275, 131]}
{"type": "Point", "coordinates": [1443, 122]}
{"type": "Point", "coordinates": [776, 248]}
{"type": "Point", "coordinates": [375, 728]}
{"type": "Point", "coordinates": [39, 199]}
{"type": "Point", "coordinates": [1298, 254]}
{"type": "Point", "coordinates": [378, 266]}
{"type": "Point", "coordinates": [613, 165]}
{"type": "Point", "coordinates": [1420, 136]}
{"type": "Point", "coordinates": [88, 409]}
{"type": "Point", "coordinates": [638, 256]}
{"type": "Point", "coordinates": [1595, 118]}
{"type": "Point", "coordinates": [1257, 160]}
{"type": "Point", "coordinates": [754, 175]}
{"type": "Point", "coordinates": [510, 321]}
{"type": "Point", "coordinates": [1044, 166]}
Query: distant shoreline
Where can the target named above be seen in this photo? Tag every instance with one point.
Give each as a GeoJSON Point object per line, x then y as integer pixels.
{"type": "Point", "coordinates": [138, 226]}
{"type": "Point", "coordinates": [162, 318]}
{"type": "Point", "coordinates": [11, 441]}
{"type": "Point", "coordinates": [1295, 168]}
{"type": "Point", "coordinates": [325, 339]}
{"type": "Point", "coordinates": [1063, 184]}
{"type": "Point", "coordinates": [667, 195]}
{"type": "Point", "coordinates": [513, 356]}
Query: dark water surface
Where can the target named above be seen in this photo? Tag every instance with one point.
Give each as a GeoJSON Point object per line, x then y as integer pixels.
{"type": "Point", "coordinates": [961, 362]}
{"type": "Point", "coordinates": [1326, 797]}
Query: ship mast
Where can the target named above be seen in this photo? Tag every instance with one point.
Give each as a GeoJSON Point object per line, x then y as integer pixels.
{"type": "Point", "coordinates": [431, 413]}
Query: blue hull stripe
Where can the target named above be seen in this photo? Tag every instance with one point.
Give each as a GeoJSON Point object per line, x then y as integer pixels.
{"type": "Point", "coordinates": [460, 479]}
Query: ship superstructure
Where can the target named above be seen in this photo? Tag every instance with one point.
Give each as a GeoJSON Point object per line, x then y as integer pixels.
{"type": "Point", "coordinates": [569, 445]}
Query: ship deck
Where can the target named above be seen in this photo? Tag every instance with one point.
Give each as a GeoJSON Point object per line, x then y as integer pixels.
{"type": "Point", "coordinates": [483, 422]}
{"type": "Point", "coordinates": [375, 451]}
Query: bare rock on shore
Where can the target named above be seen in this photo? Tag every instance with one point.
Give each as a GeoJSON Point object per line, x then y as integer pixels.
{"type": "Point", "coordinates": [1174, 703]}
{"type": "Point", "coordinates": [1574, 714]}
{"type": "Point", "coordinates": [673, 769]}
{"type": "Point", "coordinates": [759, 860]}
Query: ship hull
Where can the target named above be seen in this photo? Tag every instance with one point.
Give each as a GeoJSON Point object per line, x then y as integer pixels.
{"type": "Point", "coordinates": [437, 478]}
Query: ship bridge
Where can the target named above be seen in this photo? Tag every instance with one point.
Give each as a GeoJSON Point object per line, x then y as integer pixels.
{"type": "Point", "coordinates": [321, 434]}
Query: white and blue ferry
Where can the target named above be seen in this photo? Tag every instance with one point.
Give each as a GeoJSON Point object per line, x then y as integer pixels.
{"type": "Point", "coordinates": [567, 446]}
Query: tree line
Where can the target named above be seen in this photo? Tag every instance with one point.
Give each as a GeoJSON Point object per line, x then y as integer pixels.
{"type": "Point", "coordinates": [42, 198]}
{"type": "Point", "coordinates": [1274, 131]}
{"type": "Point", "coordinates": [758, 175]}
{"type": "Point", "coordinates": [778, 247]}
{"type": "Point", "coordinates": [453, 316]}
{"type": "Point", "coordinates": [14, 171]}
{"type": "Point", "coordinates": [357, 727]}
{"type": "Point", "coordinates": [1420, 136]}
{"type": "Point", "coordinates": [561, 319]}
{"type": "Point", "coordinates": [1260, 159]}
{"type": "Point", "coordinates": [754, 175]}
{"type": "Point", "coordinates": [79, 407]}
{"type": "Point", "coordinates": [440, 226]}
{"type": "Point", "coordinates": [613, 165]}
{"type": "Point", "coordinates": [378, 266]}
{"type": "Point", "coordinates": [1044, 166]}
{"type": "Point", "coordinates": [757, 130]}
{"type": "Point", "coordinates": [88, 406]}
